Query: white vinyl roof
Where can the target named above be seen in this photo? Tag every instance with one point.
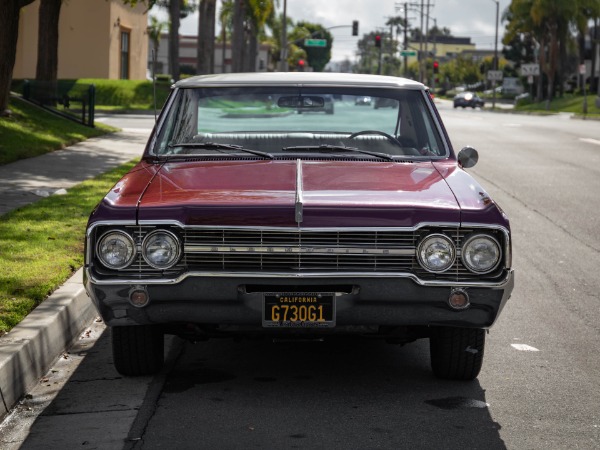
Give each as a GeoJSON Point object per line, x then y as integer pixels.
{"type": "Point", "coordinates": [329, 79]}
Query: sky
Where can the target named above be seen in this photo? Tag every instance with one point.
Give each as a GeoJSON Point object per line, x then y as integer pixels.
{"type": "Point", "coordinates": [465, 18]}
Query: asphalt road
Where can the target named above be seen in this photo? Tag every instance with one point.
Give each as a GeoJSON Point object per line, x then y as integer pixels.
{"type": "Point", "coordinates": [539, 386]}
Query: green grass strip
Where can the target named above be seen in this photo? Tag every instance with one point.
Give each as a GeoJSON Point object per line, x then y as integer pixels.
{"type": "Point", "coordinates": [41, 245]}
{"type": "Point", "coordinates": [31, 131]}
{"type": "Point", "coordinates": [569, 103]}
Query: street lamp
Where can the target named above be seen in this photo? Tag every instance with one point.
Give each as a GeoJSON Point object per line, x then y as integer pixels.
{"type": "Point", "coordinates": [497, 2]}
{"type": "Point", "coordinates": [283, 53]}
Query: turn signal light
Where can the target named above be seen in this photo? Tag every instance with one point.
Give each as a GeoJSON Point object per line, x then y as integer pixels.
{"type": "Point", "coordinates": [459, 299]}
{"type": "Point", "coordinates": [139, 298]}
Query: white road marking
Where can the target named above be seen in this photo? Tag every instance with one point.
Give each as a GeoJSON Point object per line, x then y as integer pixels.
{"type": "Point", "coordinates": [590, 141]}
{"type": "Point", "coordinates": [524, 348]}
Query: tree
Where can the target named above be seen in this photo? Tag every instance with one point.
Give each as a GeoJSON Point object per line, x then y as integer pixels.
{"type": "Point", "coordinates": [249, 18]}
{"type": "Point", "coordinates": [47, 52]}
{"type": "Point", "coordinates": [205, 59]}
{"type": "Point", "coordinates": [177, 9]}
{"type": "Point", "coordinates": [548, 23]}
{"type": "Point", "coordinates": [317, 57]}
{"type": "Point", "coordinates": [9, 34]}
{"type": "Point", "coordinates": [155, 30]}
{"type": "Point", "coordinates": [260, 12]}
{"type": "Point", "coordinates": [238, 38]}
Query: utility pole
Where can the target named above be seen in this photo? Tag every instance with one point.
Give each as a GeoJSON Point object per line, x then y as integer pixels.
{"type": "Point", "coordinates": [426, 42]}
{"type": "Point", "coordinates": [406, 40]}
{"type": "Point", "coordinates": [283, 53]}
{"type": "Point", "coordinates": [421, 45]}
{"type": "Point", "coordinates": [496, 55]}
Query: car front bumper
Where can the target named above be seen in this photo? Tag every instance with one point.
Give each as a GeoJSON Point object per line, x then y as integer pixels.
{"type": "Point", "coordinates": [359, 301]}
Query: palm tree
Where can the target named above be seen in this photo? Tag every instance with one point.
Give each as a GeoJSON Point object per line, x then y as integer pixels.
{"type": "Point", "coordinates": [205, 59]}
{"type": "Point", "coordinates": [155, 30]}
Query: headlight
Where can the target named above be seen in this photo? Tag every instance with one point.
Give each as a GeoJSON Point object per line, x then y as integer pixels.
{"type": "Point", "coordinates": [436, 253]}
{"type": "Point", "coordinates": [481, 253]}
{"type": "Point", "coordinates": [161, 249]}
{"type": "Point", "coordinates": [116, 249]}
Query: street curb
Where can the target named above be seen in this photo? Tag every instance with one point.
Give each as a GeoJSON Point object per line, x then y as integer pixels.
{"type": "Point", "coordinates": [30, 348]}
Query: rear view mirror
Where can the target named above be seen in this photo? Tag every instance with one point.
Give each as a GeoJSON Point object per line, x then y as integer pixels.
{"type": "Point", "coordinates": [303, 102]}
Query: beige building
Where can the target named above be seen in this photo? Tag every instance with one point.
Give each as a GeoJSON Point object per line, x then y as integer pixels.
{"type": "Point", "coordinates": [97, 39]}
{"type": "Point", "coordinates": [443, 48]}
{"type": "Point", "coordinates": [188, 49]}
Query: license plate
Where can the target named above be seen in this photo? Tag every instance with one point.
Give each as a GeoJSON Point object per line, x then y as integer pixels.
{"type": "Point", "coordinates": [299, 310]}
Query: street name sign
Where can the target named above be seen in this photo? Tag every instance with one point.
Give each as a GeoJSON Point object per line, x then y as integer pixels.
{"type": "Point", "coordinates": [315, 42]}
{"type": "Point", "coordinates": [408, 53]}
{"type": "Point", "coordinates": [530, 69]}
{"type": "Point", "coordinates": [494, 75]}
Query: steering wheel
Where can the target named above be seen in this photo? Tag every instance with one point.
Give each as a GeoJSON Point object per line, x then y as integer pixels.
{"type": "Point", "coordinates": [381, 133]}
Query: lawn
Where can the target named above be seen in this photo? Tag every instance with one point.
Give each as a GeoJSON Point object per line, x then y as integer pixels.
{"type": "Point", "coordinates": [31, 131]}
{"type": "Point", "coordinates": [567, 103]}
{"type": "Point", "coordinates": [41, 245]}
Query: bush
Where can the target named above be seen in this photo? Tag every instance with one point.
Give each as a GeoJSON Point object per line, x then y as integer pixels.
{"type": "Point", "coordinates": [120, 93]}
{"type": "Point", "coordinates": [127, 93]}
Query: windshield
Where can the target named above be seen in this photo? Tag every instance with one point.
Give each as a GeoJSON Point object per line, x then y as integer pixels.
{"type": "Point", "coordinates": [282, 121]}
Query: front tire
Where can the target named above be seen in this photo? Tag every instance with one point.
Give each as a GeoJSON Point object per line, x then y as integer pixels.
{"type": "Point", "coordinates": [137, 350]}
{"type": "Point", "coordinates": [456, 353]}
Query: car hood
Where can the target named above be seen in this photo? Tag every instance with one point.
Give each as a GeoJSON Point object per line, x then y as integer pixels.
{"type": "Point", "coordinates": [307, 193]}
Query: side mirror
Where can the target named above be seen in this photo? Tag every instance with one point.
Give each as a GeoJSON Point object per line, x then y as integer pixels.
{"type": "Point", "coordinates": [468, 157]}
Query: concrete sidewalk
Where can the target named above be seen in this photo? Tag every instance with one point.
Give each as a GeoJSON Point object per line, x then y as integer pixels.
{"type": "Point", "coordinates": [29, 349]}
{"type": "Point", "coordinates": [26, 181]}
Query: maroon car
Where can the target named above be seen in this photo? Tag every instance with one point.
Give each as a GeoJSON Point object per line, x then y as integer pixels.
{"type": "Point", "coordinates": [248, 215]}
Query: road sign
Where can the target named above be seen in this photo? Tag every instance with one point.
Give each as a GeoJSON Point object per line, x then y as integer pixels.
{"type": "Point", "coordinates": [530, 69]}
{"type": "Point", "coordinates": [315, 42]}
{"type": "Point", "coordinates": [408, 53]}
{"type": "Point", "coordinates": [494, 75]}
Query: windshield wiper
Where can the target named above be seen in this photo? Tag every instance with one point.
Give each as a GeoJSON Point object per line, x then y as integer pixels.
{"type": "Point", "coordinates": [217, 146]}
{"type": "Point", "coordinates": [336, 148]}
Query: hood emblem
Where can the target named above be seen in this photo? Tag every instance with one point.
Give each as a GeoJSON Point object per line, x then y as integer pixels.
{"type": "Point", "coordinates": [299, 197]}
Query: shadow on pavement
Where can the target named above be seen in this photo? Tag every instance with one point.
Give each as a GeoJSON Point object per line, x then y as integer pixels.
{"type": "Point", "coordinates": [339, 394]}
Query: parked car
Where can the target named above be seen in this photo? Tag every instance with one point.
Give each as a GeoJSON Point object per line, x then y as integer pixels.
{"type": "Point", "coordinates": [299, 226]}
{"type": "Point", "coordinates": [470, 99]}
{"type": "Point", "coordinates": [382, 102]}
{"type": "Point", "coordinates": [363, 100]}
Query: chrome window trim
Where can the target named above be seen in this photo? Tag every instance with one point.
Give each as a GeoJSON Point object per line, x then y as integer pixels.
{"type": "Point", "coordinates": [151, 145]}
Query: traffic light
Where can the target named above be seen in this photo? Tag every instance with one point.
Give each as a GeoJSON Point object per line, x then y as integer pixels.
{"type": "Point", "coordinates": [377, 40]}
{"type": "Point", "coordinates": [436, 67]}
{"type": "Point", "coordinates": [355, 28]}
{"type": "Point", "coordinates": [301, 64]}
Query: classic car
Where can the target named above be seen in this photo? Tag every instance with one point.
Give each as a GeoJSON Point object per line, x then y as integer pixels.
{"type": "Point", "coordinates": [246, 218]}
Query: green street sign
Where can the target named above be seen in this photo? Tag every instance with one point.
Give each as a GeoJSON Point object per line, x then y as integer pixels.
{"type": "Point", "coordinates": [408, 53]}
{"type": "Point", "coordinates": [315, 42]}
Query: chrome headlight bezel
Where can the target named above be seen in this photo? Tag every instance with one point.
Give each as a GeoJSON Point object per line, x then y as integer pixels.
{"type": "Point", "coordinates": [175, 254]}
{"type": "Point", "coordinates": [426, 243]}
{"type": "Point", "coordinates": [466, 260]}
{"type": "Point", "coordinates": [129, 242]}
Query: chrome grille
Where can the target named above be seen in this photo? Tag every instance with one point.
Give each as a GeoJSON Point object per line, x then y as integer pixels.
{"type": "Point", "coordinates": [252, 250]}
